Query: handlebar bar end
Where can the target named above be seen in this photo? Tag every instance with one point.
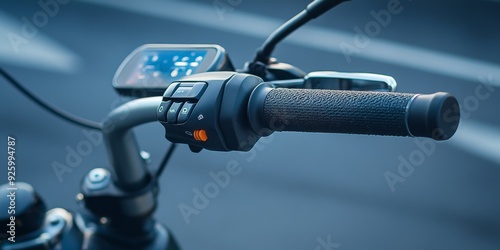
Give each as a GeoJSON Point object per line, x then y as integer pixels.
{"type": "Point", "coordinates": [435, 116]}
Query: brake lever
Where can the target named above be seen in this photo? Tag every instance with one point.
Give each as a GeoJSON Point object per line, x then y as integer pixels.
{"type": "Point", "coordinates": [349, 81]}
{"type": "Point", "coordinates": [341, 81]}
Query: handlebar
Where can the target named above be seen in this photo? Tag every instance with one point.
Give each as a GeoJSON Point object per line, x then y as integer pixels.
{"type": "Point", "coordinates": [233, 110]}
{"type": "Point", "coordinates": [434, 116]}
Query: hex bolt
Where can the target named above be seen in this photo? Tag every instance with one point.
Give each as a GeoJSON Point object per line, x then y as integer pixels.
{"type": "Point", "coordinates": [146, 156]}
{"type": "Point", "coordinates": [103, 220]}
{"type": "Point", "coordinates": [97, 178]}
{"type": "Point", "coordinates": [80, 197]}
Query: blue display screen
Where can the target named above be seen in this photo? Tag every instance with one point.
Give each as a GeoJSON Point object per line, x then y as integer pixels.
{"type": "Point", "coordinates": [162, 67]}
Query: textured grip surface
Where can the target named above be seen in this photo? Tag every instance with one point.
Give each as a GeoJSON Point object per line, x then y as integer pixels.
{"type": "Point", "coordinates": [334, 111]}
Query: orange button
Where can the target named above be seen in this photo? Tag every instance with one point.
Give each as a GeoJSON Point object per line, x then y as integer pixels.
{"type": "Point", "coordinates": [200, 135]}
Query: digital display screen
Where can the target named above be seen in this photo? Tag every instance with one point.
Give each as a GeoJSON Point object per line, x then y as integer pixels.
{"type": "Point", "coordinates": [161, 67]}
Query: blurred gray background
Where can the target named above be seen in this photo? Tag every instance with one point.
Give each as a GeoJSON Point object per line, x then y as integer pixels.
{"type": "Point", "coordinates": [296, 190]}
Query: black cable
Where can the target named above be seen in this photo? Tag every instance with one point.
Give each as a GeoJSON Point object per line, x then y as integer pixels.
{"type": "Point", "coordinates": [279, 34]}
{"type": "Point", "coordinates": [165, 160]}
{"type": "Point", "coordinates": [72, 118]}
{"type": "Point", "coordinates": [49, 107]}
{"type": "Point", "coordinates": [313, 10]}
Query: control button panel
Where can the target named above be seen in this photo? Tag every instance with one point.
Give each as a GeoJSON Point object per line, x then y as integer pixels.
{"type": "Point", "coordinates": [179, 100]}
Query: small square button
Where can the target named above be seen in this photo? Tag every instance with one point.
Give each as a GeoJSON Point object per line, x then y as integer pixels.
{"type": "Point", "coordinates": [173, 111]}
{"type": "Point", "coordinates": [170, 90]}
{"type": "Point", "coordinates": [185, 111]}
{"type": "Point", "coordinates": [182, 92]}
{"type": "Point", "coordinates": [162, 111]}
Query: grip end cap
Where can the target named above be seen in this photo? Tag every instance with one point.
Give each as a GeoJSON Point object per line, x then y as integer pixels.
{"type": "Point", "coordinates": [434, 116]}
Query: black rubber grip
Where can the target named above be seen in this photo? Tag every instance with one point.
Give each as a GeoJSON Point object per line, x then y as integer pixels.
{"type": "Point", "coordinates": [357, 112]}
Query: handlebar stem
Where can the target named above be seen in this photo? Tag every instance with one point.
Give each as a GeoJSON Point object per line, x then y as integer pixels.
{"type": "Point", "coordinates": [123, 151]}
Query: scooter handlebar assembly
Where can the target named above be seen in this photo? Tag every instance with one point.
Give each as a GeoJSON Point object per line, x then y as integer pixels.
{"type": "Point", "coordinates": [234, 110]}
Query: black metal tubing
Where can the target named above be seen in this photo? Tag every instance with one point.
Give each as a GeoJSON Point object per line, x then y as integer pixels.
{"type": "Point", "coordinates": [283, 31]}
{"type": "Point", "coordinates": [313, 10]}
{"type": "Point", "coordinates": [123, 151]}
